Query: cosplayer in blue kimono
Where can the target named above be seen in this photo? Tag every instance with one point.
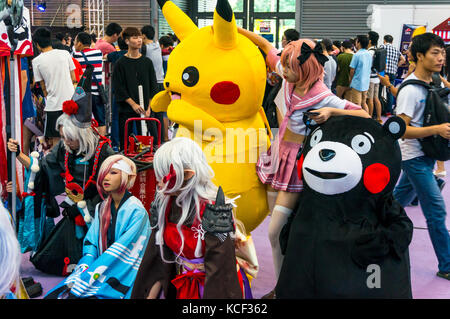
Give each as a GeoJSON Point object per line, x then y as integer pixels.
{"type": "Point", "coordinates": [110, 263]}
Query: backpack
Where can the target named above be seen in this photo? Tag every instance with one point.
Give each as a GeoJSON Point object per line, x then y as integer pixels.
{"type": "Point", "coordinates": [436, 112]}
{"type": "Point", "coordinates": [379, 59]}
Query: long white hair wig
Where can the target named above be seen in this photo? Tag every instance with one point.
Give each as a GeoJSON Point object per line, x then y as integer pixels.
{"type": "Point", "coordinates": [86, 136]}
{"type": "Point", "coordinates": [184, 154]}
{"type": "Point", "coordinates": [10, 255]}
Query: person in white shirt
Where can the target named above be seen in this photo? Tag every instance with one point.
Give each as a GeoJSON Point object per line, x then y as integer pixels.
{"type": "Point", "coordinates": [330, 66]}
{"type": "Point", "coordinates": [54, 70]}
{"type": "Point", "coordinates": [372, 95]}
{"type": "Point", "coordinates": [152, 50]}
{"type": "Point", "coordinates": [417, 168]}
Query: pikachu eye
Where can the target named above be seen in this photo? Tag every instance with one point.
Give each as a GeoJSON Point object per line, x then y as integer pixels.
{"type": "Point", "coordinates": [190, 76]}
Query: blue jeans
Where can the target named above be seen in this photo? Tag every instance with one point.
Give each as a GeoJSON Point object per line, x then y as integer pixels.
{"type": "Point", "coordinates": [390, 97]}
{"type": "Point", "coordinates": [417, 179]}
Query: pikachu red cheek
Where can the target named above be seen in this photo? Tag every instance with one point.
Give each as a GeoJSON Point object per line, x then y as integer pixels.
{"type": "Point", "coordinates": [225, 92]}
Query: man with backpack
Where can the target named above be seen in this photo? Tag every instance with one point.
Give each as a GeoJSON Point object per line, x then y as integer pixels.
{"type": "Point", "coordinates": [85, 55]}
{"type": "Point", "coordinates": [394, 59]}
{"type": "Point", "coordinates": [378, 65]}
{"type": "Point", "coordinates": [416, 104]}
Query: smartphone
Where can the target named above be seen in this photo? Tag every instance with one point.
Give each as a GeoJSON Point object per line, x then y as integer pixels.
{"type": "Point", "coordinates": [309, 114]}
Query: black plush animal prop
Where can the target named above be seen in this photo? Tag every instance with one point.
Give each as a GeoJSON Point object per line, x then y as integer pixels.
{"type": "Point", "coordinates": [348, 238]}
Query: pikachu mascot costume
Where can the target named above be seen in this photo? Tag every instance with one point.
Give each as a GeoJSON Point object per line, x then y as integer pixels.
{"type": "Point", "coordinates": [214, 90]}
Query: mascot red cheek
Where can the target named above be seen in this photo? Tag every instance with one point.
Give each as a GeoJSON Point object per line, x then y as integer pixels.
{"type": "Point", "coordinates": [376, 177]}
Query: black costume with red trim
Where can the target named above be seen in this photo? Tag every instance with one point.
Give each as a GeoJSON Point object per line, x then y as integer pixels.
{"type": "Point", "coordinates": [348, 237]}
{"type": "Point", "coordinates": [62, 172]}
{"type": "Point", "coordinates": [64, 168]}
{"type": "Point", "coordinates": [56, 252]}
{"type": "Point", "coordinates": [215, 274]}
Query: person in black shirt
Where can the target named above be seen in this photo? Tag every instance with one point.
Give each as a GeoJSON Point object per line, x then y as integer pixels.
{"type": "Point", "coordinates": [112, 58]}
{"type": "Point", "coordinates": [60, 43]}
{"type": "Point", "coordinates": [131, 71]}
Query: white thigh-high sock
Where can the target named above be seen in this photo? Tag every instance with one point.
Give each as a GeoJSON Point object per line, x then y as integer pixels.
{"type": "Point", "coordinates": [271, 200]}
{"type": "Point", "coordinates": [278, 219]}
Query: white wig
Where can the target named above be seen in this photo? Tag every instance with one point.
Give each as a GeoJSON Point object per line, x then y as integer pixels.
{"type": "Point", "coordinates": [184, 154]}
{"type": "Point", "coordinates": [10, 255]}
{"type": "Point", "coordinates": [86, 136]}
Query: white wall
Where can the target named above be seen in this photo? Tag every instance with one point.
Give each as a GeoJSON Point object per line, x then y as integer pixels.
{"type": "Point", "coordinates": [389, 19]}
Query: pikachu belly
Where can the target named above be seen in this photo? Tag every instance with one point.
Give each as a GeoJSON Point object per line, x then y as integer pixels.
{"type": "Point", "coordinates": [242, 180]}
{"type": "Point", "coordinates": [233, 158]}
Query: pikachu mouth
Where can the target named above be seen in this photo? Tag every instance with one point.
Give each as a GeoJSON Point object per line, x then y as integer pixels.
{"type": "Point", "coordinates": [175, 96]}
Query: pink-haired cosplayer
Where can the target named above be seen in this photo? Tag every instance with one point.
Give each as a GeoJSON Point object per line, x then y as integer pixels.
{"type": "Point", "coordinates": [301, 66]}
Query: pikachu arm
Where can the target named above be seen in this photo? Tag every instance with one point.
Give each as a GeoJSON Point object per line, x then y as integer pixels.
{"type": "Point", "coordinates": [160, 102]}
{"type": "Point", "coordinates": [258, 40]}
{"type": "Point", "coordinates": [185, 114]}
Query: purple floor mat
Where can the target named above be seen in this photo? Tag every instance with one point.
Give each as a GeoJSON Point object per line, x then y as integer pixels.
{"type": "Point", "coordinates": [425, 283]}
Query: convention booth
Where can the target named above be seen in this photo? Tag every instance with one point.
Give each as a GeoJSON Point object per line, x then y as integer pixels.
{"type": "Point", "coordinates": [443, 30]}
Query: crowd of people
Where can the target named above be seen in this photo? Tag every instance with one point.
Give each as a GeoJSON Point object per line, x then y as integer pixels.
{"type": "Point", "coordinates": [52, 86]}
{"type": "Point", "coordinates": [186, 250]}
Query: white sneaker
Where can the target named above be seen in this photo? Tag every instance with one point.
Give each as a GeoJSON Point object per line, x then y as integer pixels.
{"type": "Point", "coordinates": [441, 174]}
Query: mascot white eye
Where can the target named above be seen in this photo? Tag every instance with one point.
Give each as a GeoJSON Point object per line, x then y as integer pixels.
{"type": "Point", "coordinates": [190, 76]}
{"type": "Point", "coordinates": [361, 144]}
{"type": "Point", "coordinates": [315, 138]}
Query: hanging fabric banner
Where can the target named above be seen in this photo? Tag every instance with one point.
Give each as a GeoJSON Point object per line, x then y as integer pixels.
{"type": "Point", "coordinates": [22, 32]}
{"type": "Point", "coordinates": [14, 26]}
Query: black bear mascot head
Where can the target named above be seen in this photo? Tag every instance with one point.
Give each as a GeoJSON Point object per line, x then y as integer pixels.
{"type": "Point", "coordinates": [348, 154]}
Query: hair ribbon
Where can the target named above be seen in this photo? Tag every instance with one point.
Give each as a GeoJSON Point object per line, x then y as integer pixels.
{"type": "Point", "coordinates": [306, 52]}
{"type": "Point", "coordinates": [170, 178]}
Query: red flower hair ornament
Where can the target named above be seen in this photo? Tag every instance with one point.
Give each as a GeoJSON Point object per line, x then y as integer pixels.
{"type": "Point", "coordinates": [70, 107]}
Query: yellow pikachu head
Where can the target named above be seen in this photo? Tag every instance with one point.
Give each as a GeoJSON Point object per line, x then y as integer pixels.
{"type": "Point", "coordinates": [215, 69]}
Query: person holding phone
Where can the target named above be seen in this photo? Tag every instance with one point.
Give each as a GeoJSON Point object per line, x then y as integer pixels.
{"type": "Point", "coordinates": [301, 66]}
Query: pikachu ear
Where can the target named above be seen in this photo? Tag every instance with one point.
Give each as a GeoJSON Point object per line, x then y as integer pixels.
{"type": "Point", "coordinates": [180, 22]}
{"type": "Point", "coordinates": [224, 26]}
